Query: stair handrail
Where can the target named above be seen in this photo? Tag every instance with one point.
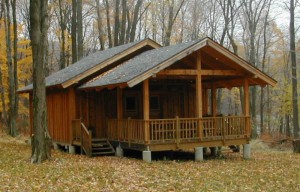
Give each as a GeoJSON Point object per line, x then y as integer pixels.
{"type": "Point", "coordinates": [86, 140]}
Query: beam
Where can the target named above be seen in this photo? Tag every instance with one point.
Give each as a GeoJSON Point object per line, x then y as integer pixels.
{"type": "Point", "coordinates": [220, 72]}
{"type": "Point", "coordinates": [178, 72]}
{"type": "Point", "coordinates": [203, 72]}
{"type": "Point", "coordinates": [242, 63]}
{"type": "Point", "coordinates": [167, 63]}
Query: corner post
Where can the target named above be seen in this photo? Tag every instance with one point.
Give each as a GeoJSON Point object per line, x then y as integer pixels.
{"type": "Point", "coordinates": [214, 100]}
{"type": "Point", "coordinates": [199, 94]}
{"type": "Point", "coordinates": [246, 107]}
{"type": "Point", "coordinates": [146, 115]}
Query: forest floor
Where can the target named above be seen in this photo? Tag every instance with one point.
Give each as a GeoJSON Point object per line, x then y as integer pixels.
{"type": "Point", "coordinates": [269, 169]}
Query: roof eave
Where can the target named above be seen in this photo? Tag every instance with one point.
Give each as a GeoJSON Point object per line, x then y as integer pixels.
{"type": "Point", "coordinates": [136, 80]}
{"type": "Point", "coordinates": [76, 79]}
{"type": "Point", "coordinates": [244, 64]}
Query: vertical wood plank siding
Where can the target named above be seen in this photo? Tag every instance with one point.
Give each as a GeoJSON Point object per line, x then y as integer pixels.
{"type": "Point", "coordinates": [61, 108]}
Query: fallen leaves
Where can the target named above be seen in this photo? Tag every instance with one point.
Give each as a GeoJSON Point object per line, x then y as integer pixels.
{"type": "Point", "coordinates": [266, 171]}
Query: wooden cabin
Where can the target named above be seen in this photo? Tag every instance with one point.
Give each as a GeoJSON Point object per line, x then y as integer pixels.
{"type": "Point", "coordinates": [145, 97]}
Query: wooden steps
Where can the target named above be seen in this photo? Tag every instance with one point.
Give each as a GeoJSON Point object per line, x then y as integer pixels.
{"type": "Point", "coordinates": [102, 147]}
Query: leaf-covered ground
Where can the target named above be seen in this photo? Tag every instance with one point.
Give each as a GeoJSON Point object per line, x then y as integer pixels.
{"type": "Point", "coordinates": [268, 170]}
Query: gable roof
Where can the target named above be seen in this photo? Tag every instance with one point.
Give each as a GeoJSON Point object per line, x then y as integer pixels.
{"type": "Point", "coordinates": [93, 63]}
{"type": "Point", "coordinates": [151, 62]}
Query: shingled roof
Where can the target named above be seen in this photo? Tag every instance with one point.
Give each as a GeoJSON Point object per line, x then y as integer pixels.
{"type": "Point", "coordinates": [151, 62]}
{"type": "Point", "coordinates": [88, 65]}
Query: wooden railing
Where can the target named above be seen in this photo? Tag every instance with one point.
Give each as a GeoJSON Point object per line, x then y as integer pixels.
{"type": "Point", "coordinates": [86, 140]}
{"type": "Point", "coordinates": [126, 130]}
{"type": "Point", "coordinates": [82, 134]}
{"type": "Point", "coordinates": [179, 129]}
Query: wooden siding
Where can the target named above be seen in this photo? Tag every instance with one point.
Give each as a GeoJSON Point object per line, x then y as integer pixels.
{"type": "Point", "coordinates": [95, 109]}
{"type": "Point", "coordinates": [61, 109]}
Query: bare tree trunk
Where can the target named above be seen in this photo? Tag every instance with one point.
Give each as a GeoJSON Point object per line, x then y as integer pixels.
{"type": "Point", "coordinates": [74, 31]}
{"type": "Point", "coordinates": [287, 125]}
{"type": "Point", "coordinates": [4, 112]}
{"type": "Point", "coordinates": [100, 29]}
{"type": "Point", "coordinates": [135, 19]}
{"type": "Point", "coordinates": [128, 26]}
{"type": "Point", "coordinates": [171, 21]}
{"type": "Point", "coordinates": [110, 44]}
{"type": "Point", "coordinates": [265, 49]}
{"type": "Point", "coordinates": [12, 129]}
{"type": "Point", "coordinates": [63, 43]}
{"type": "Point", "coordinates": [79, 29]}
{"type": "Point", "coordinates": [123, 22]}
{"type": "Point", "coordinates": [117, 23]}
{"type": "Point", "coordinates": [15, 27]}
{"type": "Point", "coordinates": [38, 34]}
{"type": "Point", "coordinates": [294, 70]}
{"type": "Point", "coordinates": [253, 12]}
{"type": "Point", "coordinates": [2, 90]}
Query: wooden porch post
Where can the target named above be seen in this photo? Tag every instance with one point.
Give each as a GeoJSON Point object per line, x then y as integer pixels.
{"type": "Point", "coordinates": [120, 103]}
{"type": "Point", "coordinates": [199, 94]}
{"type": "Point", "coordinates": [214, 100]}
{"type": "Point", "coordinates": [119, 111]}
{"type": "Point", "coordinates": [204, 98]}
{"type": "Point", "coordinates": [246, 106]}
{"type": "Point", "coordinates": [146, 110]}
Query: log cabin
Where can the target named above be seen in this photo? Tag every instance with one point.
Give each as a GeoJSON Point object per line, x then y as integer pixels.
{"type": "Point", "coordinates": [142, 96]}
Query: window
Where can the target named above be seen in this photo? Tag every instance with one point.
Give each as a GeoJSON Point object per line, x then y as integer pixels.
{"type": "Point", "coordinates": [154, 103]}
{"type": "Point", "coordinates": [131, 103]}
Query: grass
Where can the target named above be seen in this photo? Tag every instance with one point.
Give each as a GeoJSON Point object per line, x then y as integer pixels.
{"type": "Point", "coordinates": [268, 170]}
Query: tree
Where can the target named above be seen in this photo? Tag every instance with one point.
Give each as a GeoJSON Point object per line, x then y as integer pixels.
{"type": "Point", "coordinates": [38, 35]}
{"type": "Point", "coordinates": [110, 42]}
{"type": "Point", "coordinates": [74, 31]}
{"type": "Point", "coordinates": [171, 21]}
{"type": "Point", "coordinates": [15, 59]}
{"type": "Point", "coordinates": [117, 23]}
{"type": "Point", "coordinates": [12, 128]}
{"type": "Point", "coordinates": [253, 13]}
{"type": "Point", "coordinates": [99, 24]}
{"type": "Point", "coordinates": [294, 69]}
{"type": "Point", "coordinates": [263, 63]}
{"type": "Point", "coordinates": [63, 27]}
{"type": "Point", "coordinates": [2, 91]}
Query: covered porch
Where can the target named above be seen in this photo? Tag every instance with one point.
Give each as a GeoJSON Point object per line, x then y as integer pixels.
{"type": "Point", "coordinates": [179, 133]}
{"type": "Point", "coordinates": [166, 99]}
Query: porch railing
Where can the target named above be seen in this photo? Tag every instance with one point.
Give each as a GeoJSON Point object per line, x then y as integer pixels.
{"type": "Point", "coordinates": [126, 130]}
{"type": "Point", "coordinates": [179, 129]}
{"type": "Point", "coordinates": [83, 135]}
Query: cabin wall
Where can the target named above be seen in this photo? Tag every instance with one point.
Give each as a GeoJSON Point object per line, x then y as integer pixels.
{"type": "Point", "coordinates": [96, 108]}
{"type": "Point", "coordinates": [61, 109]}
